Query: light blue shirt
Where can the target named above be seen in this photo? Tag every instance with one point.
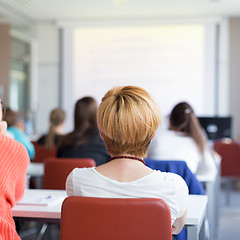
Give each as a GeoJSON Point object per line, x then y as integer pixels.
{"type": "Point", "coordinates": [21, 137]}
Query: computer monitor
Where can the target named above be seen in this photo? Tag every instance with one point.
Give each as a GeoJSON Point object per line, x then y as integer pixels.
{"type": "Point", "coordinates": [216, 127]}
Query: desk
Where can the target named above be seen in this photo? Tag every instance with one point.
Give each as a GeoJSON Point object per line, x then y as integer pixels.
{"type": "Point", "coordinates": [49, 213]}
{"type": "Point", "coordinates": [35, 169]}
{"type": "Point", "coordinates": [196, 210]}
{"type": "Point", "coordinates": [211, 183]}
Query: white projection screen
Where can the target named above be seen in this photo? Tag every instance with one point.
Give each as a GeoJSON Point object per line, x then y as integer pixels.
{"type": "Point", "coordinates": [174, 62]}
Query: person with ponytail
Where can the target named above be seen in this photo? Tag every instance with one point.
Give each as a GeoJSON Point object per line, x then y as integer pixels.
{"type": "Point", "coordinates": [84, 141]}
{"type": "Point", "coordinates": [56, 129]}
{"type": "Point", "coordinates": [185, 140]}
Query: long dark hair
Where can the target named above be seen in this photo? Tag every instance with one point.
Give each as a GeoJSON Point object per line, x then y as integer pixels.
{"type": "Point", "coordinates": [182, 119]}
{"type": "Point", "coordinates": [85, 119]}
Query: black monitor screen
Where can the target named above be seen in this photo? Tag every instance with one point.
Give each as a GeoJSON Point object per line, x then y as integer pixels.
{"type": "Point", "coordinates": [216, 127]}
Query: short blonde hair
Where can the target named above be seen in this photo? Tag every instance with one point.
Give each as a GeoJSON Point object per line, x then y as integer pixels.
{"type": "Point", "coordinates": [128, 118]}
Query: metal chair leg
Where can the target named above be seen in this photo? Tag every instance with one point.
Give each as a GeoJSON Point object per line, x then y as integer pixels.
{"type": "Point", "coordinates": [42, 231]}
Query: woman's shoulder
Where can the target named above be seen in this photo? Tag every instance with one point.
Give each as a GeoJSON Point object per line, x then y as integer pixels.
{"type": "Point", "coordinates": [42, 139]}
{"type": "Point", "coordinates": [7, 141]}
{"type": "Point", "coordinates": [94, 132]}
{"type": "Point", "coordinates": [175, 184]}
{"type": "Point", "coordinates": [10, 144]}
{"type": "Point", "coordinates": [18, 133]}
{"type": "Point", "coordinates": [95, 136]}
{"type": "Point", "coordinates": [167, 176]}
{"type": "Point", "coordinates": [83, 173]}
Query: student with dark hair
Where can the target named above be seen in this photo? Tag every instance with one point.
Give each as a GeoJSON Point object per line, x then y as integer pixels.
{"type": "Point", "coordinates": [56, 129]}
{"type": "Point", "coordinates": [185, 141]}
{"type": "Point", "coordinates": [84, 141]}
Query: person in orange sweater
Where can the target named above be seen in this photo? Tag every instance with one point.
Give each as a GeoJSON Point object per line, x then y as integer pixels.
{"type": "Point", "coordinates": [14, 161]}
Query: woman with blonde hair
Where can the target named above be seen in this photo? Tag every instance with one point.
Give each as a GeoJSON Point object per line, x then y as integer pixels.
{"type": "Point", "coordinates": [56, 129]}
{"type": "Point", "coordinates": [128, 118]}
{"type": "Point", "coordinates": [185, 141]}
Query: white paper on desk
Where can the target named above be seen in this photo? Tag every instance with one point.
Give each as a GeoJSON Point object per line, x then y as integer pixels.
{"type": "Point", "coordinates": [41, 200]}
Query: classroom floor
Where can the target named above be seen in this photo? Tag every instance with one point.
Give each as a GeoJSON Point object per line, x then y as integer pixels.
{"type": "Point", "coordinates": [229, 215]}
{"type": "Point", "coordinates": [229, 218]}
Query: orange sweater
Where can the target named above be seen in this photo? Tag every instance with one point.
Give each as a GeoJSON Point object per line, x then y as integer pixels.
{"type": "Point", "coordinates": [14, 161]}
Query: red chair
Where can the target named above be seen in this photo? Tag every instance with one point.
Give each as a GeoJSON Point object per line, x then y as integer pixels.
{"type": "Point", "coordinates": [41, 153]}
{"type": "Point", "coordinates": [230, 153]}
{"type": "Point", "coordinates": [230, 164]}
{"type": "Point", "coordinates": [90, 218]}
{"type": "Point", "coordinates": [57, 170]}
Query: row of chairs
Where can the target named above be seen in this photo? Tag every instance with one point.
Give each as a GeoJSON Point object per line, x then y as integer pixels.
{"type": "Point", "coordinates": [57, 170]}
{"type": "Point", "coordinates": [122, 224]}
{"type": "Point", "coordinates": [77, 211]}
{"type": "Point", "coordinates": [111, 218]}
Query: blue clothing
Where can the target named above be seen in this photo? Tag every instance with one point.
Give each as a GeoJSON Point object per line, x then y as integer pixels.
{"type": "Point", "coordinates": [180, 168]}
{"type": "Point", "coordinates": [21, 137]}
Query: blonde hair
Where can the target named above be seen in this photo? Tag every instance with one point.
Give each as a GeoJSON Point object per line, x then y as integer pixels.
{"type": "Point", "coordinates": [57, 117]}
{"type": "Point", "coordinates": [128, 118]}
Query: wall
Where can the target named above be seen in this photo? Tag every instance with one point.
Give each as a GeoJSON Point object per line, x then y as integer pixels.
{"type": "Point", "coordinates": [48, 85]}
{"type": "Point", "coordinates": [48, 74]}
{"type": "Point", "coordinates": [234, 74]}
{"type": "Point", "coordinates": [4, 62]}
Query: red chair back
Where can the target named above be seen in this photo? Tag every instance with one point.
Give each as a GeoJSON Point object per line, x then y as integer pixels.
{"type": "Point", "coordinates": [41, 153]}
{"type": "Point", "coordinates": [90, 218]}
{"type": "Point", "coordinates": [57, 170]}
{"type": "Point", "coordinates": [230, 153]}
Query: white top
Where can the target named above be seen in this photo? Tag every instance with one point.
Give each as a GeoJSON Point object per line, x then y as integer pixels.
{"type": "Point", "coordinates": [167, 186]}
{"type": "Point", "coordinates": [171, 145]}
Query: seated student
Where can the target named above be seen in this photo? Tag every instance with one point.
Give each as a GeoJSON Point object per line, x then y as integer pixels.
{"type": "Point", "coordinates": [84, 141]}
{"type": "Point", "coordinates": [11, 117]}
{"type": "Point", "coordinates": [56, 129]}
{"type": "Point", "coordinates": [127, 119]}
{"type": "Point", "coordinates": [14, 161]}
{"type": "Point", "coordinates": [184, 141]}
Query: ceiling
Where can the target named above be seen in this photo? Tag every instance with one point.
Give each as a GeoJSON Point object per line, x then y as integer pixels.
{"type": "Point", "coordinates": [74, 10]}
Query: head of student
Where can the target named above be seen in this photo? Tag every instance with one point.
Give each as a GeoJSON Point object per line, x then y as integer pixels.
{"type": "Point", "coordinates": [128, 118]}
{"type": "Point", "coordinates": [183, 119]}
{"type": "Point", "coordinates": [180, 117]}
{"type": "Point", "coordinates": [57, 117]}
{"type": "Point", "coordinates": [85, 115]}
{"type": "Point", "coordinates": [11, 117]}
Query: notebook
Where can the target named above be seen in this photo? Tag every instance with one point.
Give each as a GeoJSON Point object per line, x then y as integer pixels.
{"type": "Point", "coordinates": [39, 199]}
